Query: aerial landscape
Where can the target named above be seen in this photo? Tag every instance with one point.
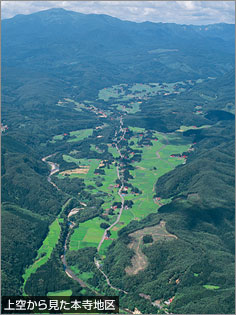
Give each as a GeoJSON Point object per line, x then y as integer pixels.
{"type": "Point", "coordinates": [118, 160]}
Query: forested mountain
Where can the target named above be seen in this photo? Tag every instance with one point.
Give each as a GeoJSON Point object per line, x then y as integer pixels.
{"type": "Point", "coordinates": [57, 45]}
{"type": "Point", "coordinates": [102, 117]}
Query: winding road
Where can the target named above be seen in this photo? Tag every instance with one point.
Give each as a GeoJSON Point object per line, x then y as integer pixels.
{"type": "Point", "coordinates": [54, 169]}
{"type": "Point", "coordinates": [120, 190]}
{"type": "Point", "coordinates": [120, 212]}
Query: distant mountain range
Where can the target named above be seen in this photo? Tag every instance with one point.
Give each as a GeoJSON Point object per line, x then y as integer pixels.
{"type": "Point", "coordinates": [101, 50]}
{"type": "Point", "coordinates": [54, 65]}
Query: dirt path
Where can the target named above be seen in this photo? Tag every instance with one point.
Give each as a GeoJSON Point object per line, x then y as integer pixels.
{"type": "Point", "coordinates": [139, 259]}
{"type": "Point", "coordinates": [162, 147]}
{"type": "Point", "coordinates": [107, 279]}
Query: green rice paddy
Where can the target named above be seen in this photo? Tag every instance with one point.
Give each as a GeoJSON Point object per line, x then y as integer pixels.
{"type": "Point", "coordinates": [211, 287]}
{"type": "Point", "coordinates": [58, 137]}
{"type": "Point", "coordinates": [185, 128]}
{"type": "Point", "coordinates": [45, 250]}
{"type": "Point", "coordinates": [156, 161]}
{"type": "Point", "coordinates": [138, 90]}
{"type": "Point", "coordinates": [60, 293]}
{"type": "Point", "coordinates": [76, 135]}
{"type": "Point", "coordinates": [87, 234]}
{"type": "Point", "coordinates": [92, 163]}
{"type": "Point", "coordinates": [144, 178]}
{"type": "Point", "coordinates": [80, 134]}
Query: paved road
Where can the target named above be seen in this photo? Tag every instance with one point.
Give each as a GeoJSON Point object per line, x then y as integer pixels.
{"type": "Point", "coordinates": [107, 279]}
{"type": "Point", "coordinates": [119, 192]}
{"type": "Point", "coordinates": [120, 213]}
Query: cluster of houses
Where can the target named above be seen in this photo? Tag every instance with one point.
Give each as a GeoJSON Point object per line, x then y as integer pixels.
{"type": "Point", "coordinates": [179, 156]}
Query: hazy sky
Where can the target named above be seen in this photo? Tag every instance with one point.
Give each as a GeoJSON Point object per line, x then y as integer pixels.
{"type": "Point", "coordinates": [181, 12]}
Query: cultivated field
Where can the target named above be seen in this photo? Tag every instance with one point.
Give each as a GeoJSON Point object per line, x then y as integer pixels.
{"type": "Point", "coordinates": [87, 234]}
{"type": "Point", "coordinates": [45, 250]}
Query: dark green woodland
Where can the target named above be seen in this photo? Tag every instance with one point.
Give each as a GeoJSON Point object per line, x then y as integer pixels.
{"type": "Point", "coordinates": [58, 68]}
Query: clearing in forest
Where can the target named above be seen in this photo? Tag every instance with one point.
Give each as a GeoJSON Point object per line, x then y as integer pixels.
{"type": "Point", "coordinates": [81, 134]}
{"type": "Point", "coordinates": [81, 170]}
{"type": "Point", "coordinates": [139, 260]}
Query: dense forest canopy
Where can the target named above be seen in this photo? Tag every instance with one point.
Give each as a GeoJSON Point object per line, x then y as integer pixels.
{"type": "Point", "coordinates": [118, 159]}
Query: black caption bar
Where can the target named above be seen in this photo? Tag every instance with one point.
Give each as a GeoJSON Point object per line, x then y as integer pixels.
{"type": "Point", "coordinates": [60, 304]}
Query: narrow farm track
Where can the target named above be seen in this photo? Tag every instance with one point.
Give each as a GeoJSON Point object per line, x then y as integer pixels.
{"type": "Point", "coordinates": [161, 148]}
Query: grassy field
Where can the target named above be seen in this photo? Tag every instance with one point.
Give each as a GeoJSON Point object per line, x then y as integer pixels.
{"type": "Point", "coordinates": [92, 163]}
{"type": "Point", "coordinates": [113, 151]}
{"type": "Point", "coordinates": [185, 128]}
{"type": "Point", "coordinates": [45, 250]}
{"type": "Point", "coordinates": [76, 135]}
{"type": "Point", "coordinates": [88, 233]}
{"type": "Point", "coordinates": [95, 148]}
{"type": "Point", "coordinates": [156, 161]}
{"type": "Point", "coordinates": [211, 287]}
{"type": "Point", "coordinates": [138, 90]}
{"type": "Point", "coordinates": [131, 108]}
{"type": "Point", "coordinates": [78, 106]}
{"type": "Point", "coordinates": [145, 176]}
{"type": "Point", "coordinates": [80, 134]}
{"type": "Point", "coordinates": [137, 129]}
{"type": "Point", "coordinates": [58, 137]}
{"type": "Point", "coordinates": [60, 293]}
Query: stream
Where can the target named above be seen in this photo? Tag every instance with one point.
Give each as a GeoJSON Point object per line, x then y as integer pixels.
{"type": "Point", "coordinates": [54, 169]}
